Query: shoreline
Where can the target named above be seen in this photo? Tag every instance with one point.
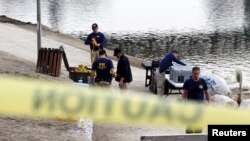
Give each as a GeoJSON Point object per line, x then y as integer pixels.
{"type": "Point", "coordinates": [65, 38]}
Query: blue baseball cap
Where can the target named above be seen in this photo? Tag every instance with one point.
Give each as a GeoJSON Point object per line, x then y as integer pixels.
{"type": "Point", "coordinates": [94, 25]}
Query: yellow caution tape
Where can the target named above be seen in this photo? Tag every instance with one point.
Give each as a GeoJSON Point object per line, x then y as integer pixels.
{"type": "Point", "coordinates": [52, 100]}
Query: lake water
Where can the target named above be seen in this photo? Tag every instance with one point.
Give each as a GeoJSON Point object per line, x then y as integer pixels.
{"type": "Point", "coordinates": [213, 34]}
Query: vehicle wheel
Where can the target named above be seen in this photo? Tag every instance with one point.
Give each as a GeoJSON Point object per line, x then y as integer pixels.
{"type": "Point", "coordinates": [166, 88]}
{"type": "Point", "coordinates": [154, 83]}
{"type": "Point", "coordinates": [155, 87]}
{"type": "Point", "coordinates": [151, 84]}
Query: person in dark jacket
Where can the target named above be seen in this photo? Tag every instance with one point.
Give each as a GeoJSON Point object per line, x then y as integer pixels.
{"type": "Point", "coordinates": [96, 40]}
{"type": "Point", "coordinates": [166, 62]}
{"type": "Point", "coordinates": [164, 66]}
{"type": "Point", "coordinates": [123, 73]}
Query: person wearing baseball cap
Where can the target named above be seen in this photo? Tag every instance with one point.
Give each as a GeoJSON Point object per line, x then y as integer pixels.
{"type": "Point", "coordinates": [123, 73]}
{"type": "Point", "coordinates": [94, 26]}
{"type": "Point", "coordinates": [96, 40]}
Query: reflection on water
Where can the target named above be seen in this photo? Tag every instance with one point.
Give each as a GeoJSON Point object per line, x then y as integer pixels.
{"type": "Point", "coordinates": [131, 15]}
{"type": "Point", "coordinates": [214, 34]}
{"type": "Point", "coordinates": [223, 14]}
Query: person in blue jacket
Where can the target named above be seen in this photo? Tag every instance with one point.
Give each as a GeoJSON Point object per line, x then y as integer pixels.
{"type": "Point", "coordinates": [96, 40]}
{"type": "Point", "coordinates": [164, 66]}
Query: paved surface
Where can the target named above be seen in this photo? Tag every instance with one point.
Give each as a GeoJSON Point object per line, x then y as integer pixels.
{"type": "Point", "coordinates": [23, 44]}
